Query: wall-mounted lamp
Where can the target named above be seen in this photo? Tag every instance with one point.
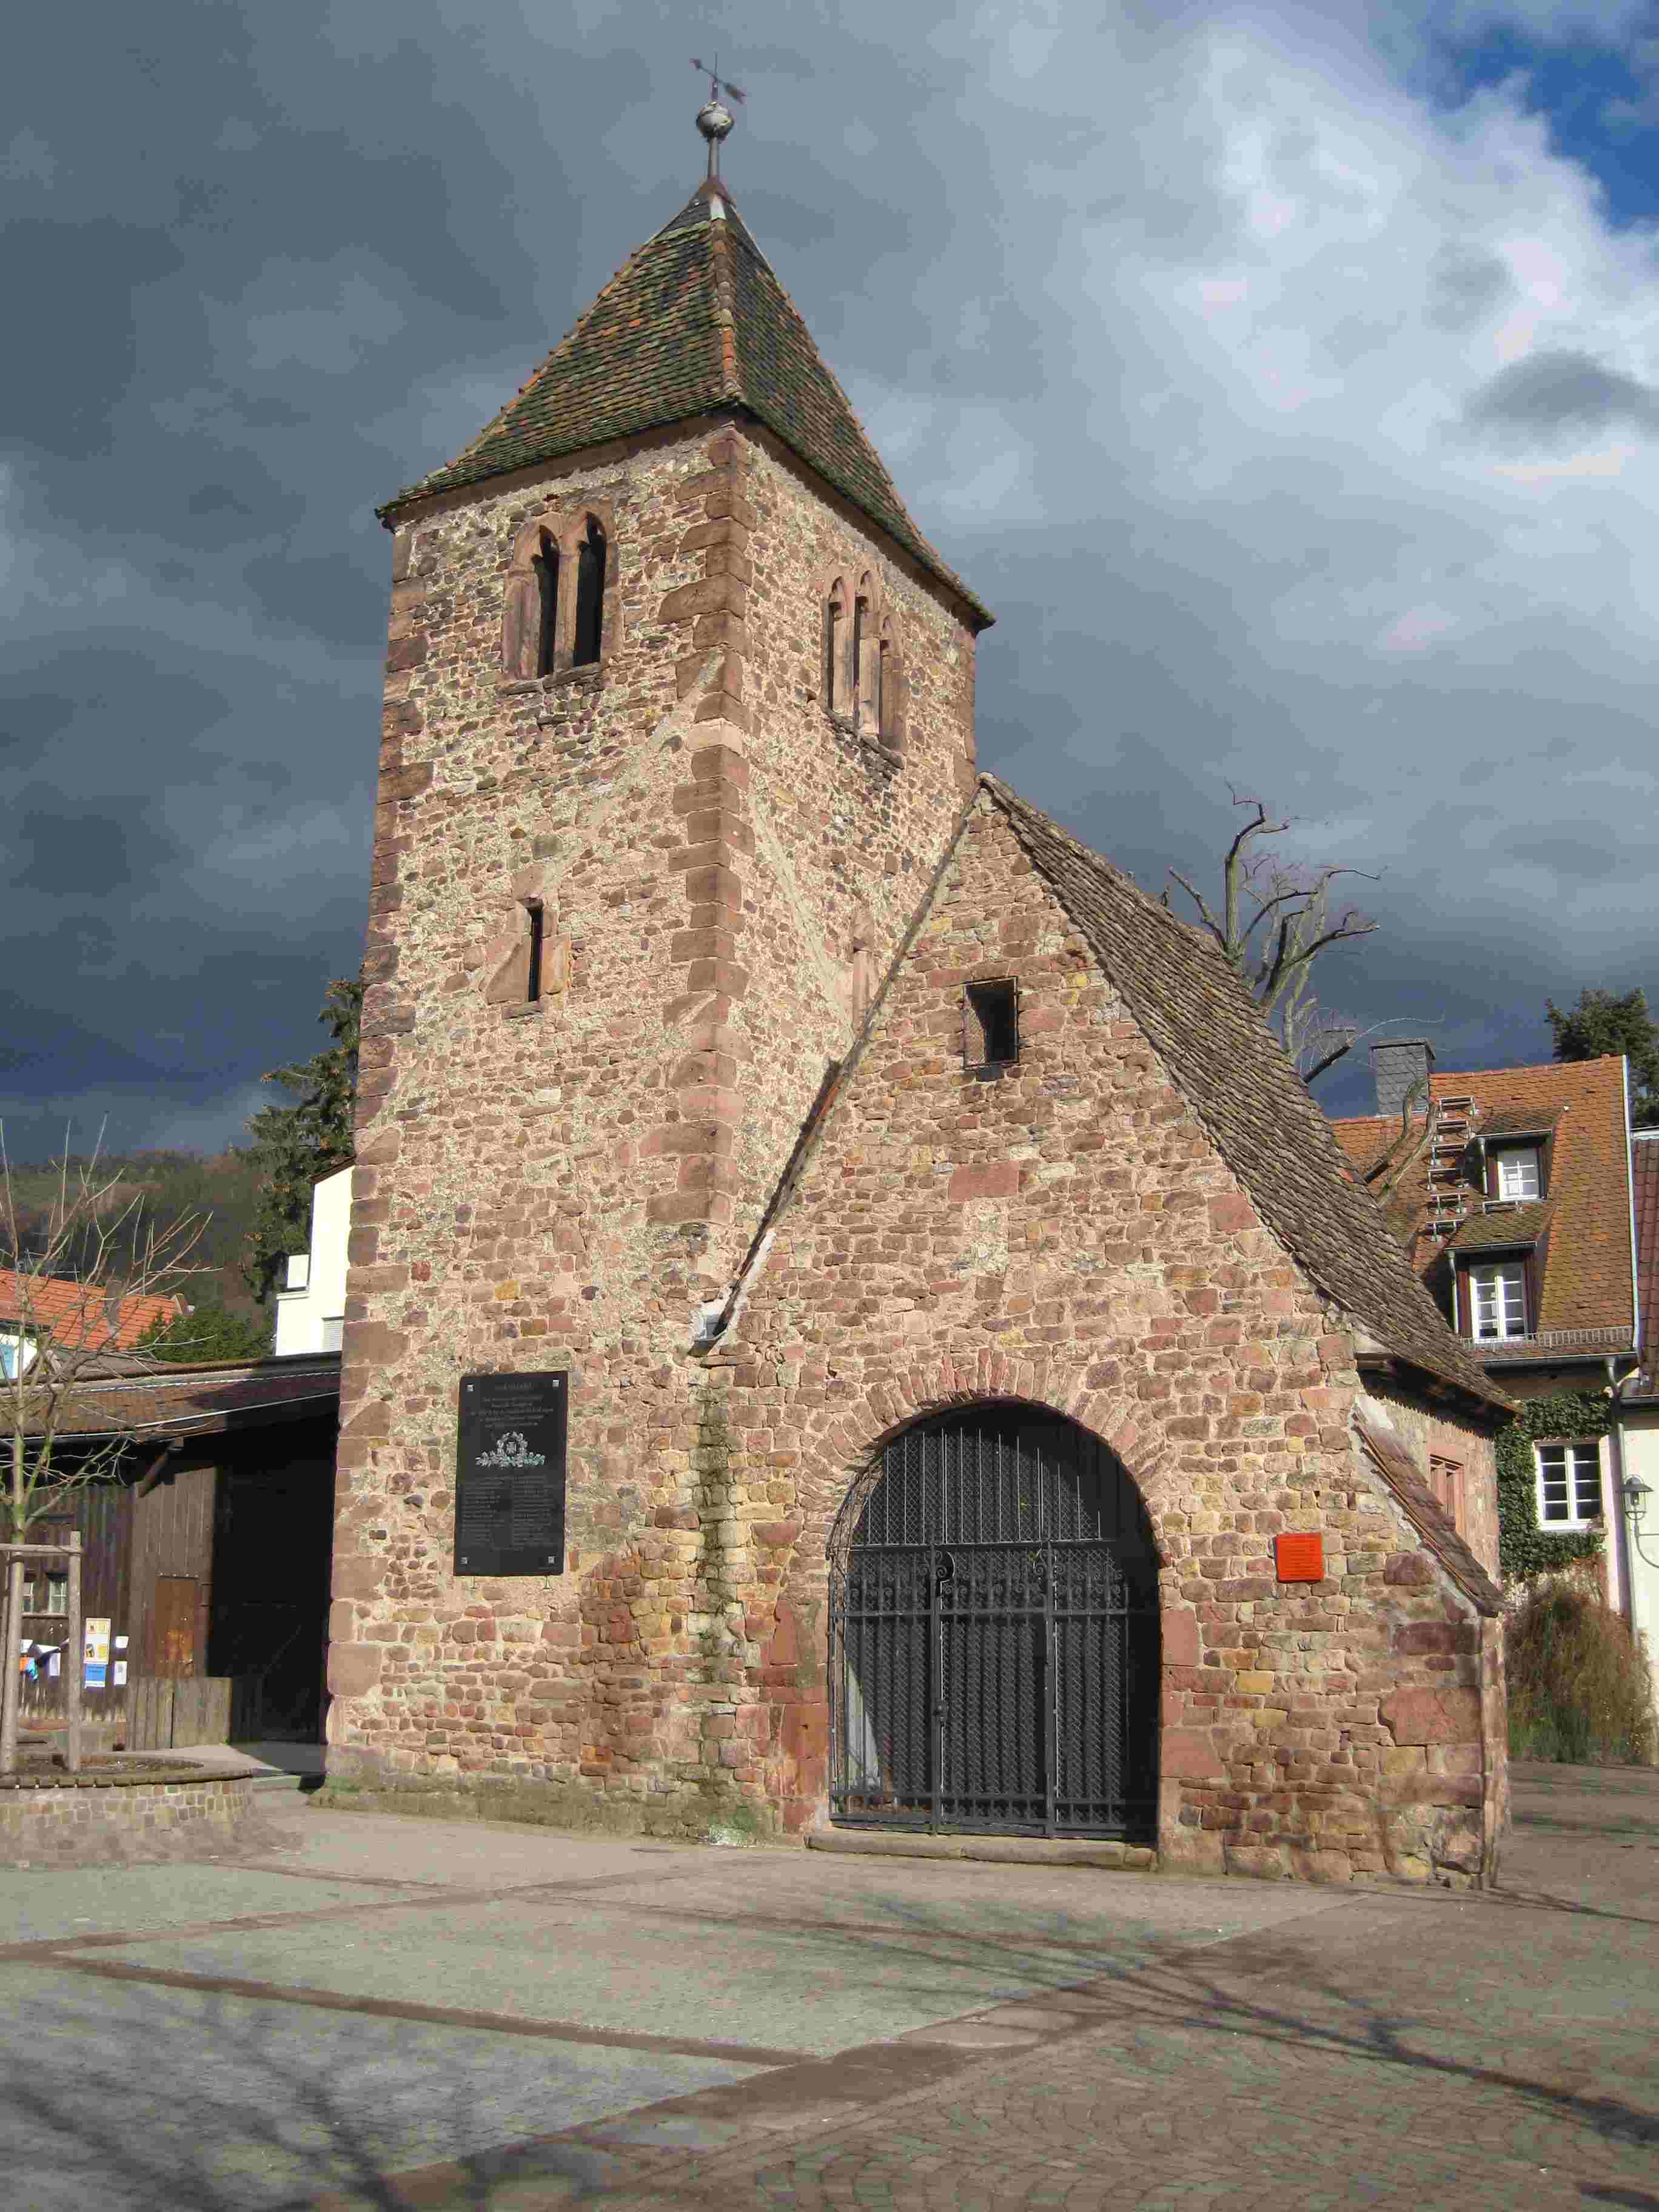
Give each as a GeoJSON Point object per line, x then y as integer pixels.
{"type": "Point", "coordinates": [1636, 1494]}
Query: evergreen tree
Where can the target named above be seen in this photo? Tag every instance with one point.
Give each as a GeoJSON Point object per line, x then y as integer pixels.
{"type": "Point", "coordinates": [296, 1145]}
{"type": "Point", "coordinates": [1602, 1023]}
{"type": "Point", "coordinates": [209, 1331]}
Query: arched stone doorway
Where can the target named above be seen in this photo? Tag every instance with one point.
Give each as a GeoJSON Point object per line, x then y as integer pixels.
{"type": "Point", "coordinates": [994, 1634]}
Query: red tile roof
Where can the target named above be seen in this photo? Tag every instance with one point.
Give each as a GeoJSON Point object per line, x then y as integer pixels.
{"type": "Point", "coordinates": [1582, 1231]}
{"type": "Point", "coordinates": [78, 1315]}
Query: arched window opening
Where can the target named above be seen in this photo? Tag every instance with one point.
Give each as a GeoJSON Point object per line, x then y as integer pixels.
{"type": "Point", "coordinates": [834, 612]}
{"type": "Point", "coordinates": [546, 566]}
{"type": "Point", "coordinates": [860, 674]}
{"type": "Point", "coordinates": [994, 1634]}
{"type": "Point", "coordinates": [881, 709]}
{"type": "Point", "coordinates": [590, 595]}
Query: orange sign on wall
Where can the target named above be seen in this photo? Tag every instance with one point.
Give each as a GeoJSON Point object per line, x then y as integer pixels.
{"type": "Point", "coordinates": [1299, 1559]}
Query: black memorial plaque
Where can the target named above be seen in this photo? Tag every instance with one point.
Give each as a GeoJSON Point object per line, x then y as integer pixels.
{"type": "Point", "coordinates": [509, 1475]}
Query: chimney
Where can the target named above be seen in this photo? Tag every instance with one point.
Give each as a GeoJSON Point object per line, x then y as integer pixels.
{"type": "Point", "coordinates": [1398, 1070]}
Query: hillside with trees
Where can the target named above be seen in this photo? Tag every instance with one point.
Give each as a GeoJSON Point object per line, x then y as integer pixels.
{"type": "Point", "coordinates": [224, 1187]}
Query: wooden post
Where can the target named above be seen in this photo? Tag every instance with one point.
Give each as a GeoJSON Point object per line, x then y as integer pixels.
{"type": "Point", "coordinates": [11, 1682]}
{"type": "Point", "coordinates": [73, 1672]}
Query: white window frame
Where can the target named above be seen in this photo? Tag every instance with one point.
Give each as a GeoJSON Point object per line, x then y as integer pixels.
{"type": "Point", "coordinates": [1505, 1282]}
{"type": "Point", "coordinates": [1519, 1172]}
{"type": "Point", "coordinates": [17, 1347]}
{"type": "Point", "coordinates": [1580, 1474]}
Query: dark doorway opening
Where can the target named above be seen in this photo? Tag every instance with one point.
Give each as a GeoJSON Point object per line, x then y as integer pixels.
{"type": "Point", "coordinates": [273, 1523]}
{"type": "Point", "coordinates": [994, 1635]}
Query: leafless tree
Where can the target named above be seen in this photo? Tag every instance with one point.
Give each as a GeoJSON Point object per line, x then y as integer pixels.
{"type": "Point", "coordinates": [68, 1286]}
{"type": "Point", "coordinates": [1276, 919]}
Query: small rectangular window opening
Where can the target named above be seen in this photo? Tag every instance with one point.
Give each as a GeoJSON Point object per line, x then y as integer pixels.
{"type": "Point", "coordinates": [533, 988]}
{"type": "Point", "coordinates": [992, 1025]}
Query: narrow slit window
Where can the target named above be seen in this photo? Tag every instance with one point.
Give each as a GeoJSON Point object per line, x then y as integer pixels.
{"type": "Point", "coordinates": [831, 652]}
{"type": "Point", "coordinates": [546, 565]}
{"type": "Point", "coordinates": [533, 985]}
{"type": "Point", "coordinates": [991, 1026]}
{"type": "Point", "coordinates": [590, 595]}
{"type": "Point", "coordinates": [859, 610]}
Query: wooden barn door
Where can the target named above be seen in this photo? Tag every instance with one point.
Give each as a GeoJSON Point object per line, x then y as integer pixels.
{"type": "Point", "coordinates": [177, 1597]}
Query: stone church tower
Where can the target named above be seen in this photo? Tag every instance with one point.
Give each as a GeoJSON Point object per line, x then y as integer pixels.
{"type": "Point", "coordinates": [679, 717]}
{"type": "Point", "coordinates": [989, 1400]}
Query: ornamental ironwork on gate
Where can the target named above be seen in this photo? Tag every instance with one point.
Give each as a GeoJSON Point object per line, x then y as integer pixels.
{"type": "Point", "coordinates": [994, 1635]}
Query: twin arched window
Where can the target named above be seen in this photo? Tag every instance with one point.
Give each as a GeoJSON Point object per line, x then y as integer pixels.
{"type": "Point", "coordinates": [554, 615]}
{"type": "Point", "coordinates": [860, 664]}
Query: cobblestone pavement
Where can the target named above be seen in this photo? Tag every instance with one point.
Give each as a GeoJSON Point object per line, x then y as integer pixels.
{"type": "Point", "coordinates": [1403, 2051]}
{"type": "Point", "coordinates": [447, 2019]}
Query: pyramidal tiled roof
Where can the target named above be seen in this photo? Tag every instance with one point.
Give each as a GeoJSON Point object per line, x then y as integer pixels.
{"type": "Point", "coordinates": [693, 321]}
{"type": "Point", "coordinates": [1210, 1034]}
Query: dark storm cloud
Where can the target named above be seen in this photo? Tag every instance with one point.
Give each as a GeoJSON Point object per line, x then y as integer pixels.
{"type": "Point", "coordinates": [73, 845]}
{"type": "Point", "coordinates": [269, 264]}
{"type": "Point", "coordinates": [1558, 389]}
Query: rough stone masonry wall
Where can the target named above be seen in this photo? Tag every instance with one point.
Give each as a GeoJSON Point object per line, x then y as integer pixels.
{"type": "Point", "coordinates": [109, 1822]}
{"type": "Point", "coordinates": [852, 843]}
{"type": "Point", "coordinates": [1423, 1432]}
{"type": "Point", "coordinates": [559, 1186]}
{"type": "Point", "coordinates": [1069, 1235]}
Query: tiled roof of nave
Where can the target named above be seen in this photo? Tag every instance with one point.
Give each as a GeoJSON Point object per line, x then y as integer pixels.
{"type": "Point", "coordinates": [1213, 1036]}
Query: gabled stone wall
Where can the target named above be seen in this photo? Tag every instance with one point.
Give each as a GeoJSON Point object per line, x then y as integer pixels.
{"type": "Point", "coordinates": [1068, 1236]}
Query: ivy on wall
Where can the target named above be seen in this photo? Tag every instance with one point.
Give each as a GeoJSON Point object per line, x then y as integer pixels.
{"type": "Point", "coordinates": [1524, 1549]}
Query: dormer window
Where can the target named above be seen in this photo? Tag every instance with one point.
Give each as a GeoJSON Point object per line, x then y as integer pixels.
{"type": "Point", "coordinates": [1497, 1301]}
{"type": "Point", "coordinates": [1517, 1172]}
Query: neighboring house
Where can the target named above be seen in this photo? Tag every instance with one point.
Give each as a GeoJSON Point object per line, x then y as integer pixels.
{"type": "Point", "coordinates": [922, 1361]}
{"type": "Point", "coordinates": [1635, 1429]}
{"type": "Point", "coordinates": [311, 1305]}
{"type": "Point", "coordinates": [1511, 1190]}
{"type": "Point", "coordinates": [37, 1309]}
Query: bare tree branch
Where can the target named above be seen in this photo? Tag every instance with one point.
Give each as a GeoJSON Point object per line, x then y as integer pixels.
{"type": "Point", "coordinates": [69, 1298]}
{"type": "Point", "coordinates": [1291, 906]}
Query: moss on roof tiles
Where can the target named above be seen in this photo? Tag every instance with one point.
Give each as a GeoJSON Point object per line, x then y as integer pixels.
{"type": "Point", "coordinates": [650, 352]}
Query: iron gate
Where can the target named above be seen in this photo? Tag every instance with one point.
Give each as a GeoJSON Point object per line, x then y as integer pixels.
{"type": "Point", "coordinates": [994, 1635]}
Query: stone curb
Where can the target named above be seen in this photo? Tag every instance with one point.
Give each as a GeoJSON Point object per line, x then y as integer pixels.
{"type": "Point", "coordinates": [1006, 1851]}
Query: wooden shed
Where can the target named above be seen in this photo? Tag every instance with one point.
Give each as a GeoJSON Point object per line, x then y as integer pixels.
{"type": "Point", "coordinates": [206, 1552]}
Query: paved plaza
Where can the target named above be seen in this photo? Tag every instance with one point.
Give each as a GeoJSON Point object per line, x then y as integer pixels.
{"type": "Point", "coordinates": [383, 2012]}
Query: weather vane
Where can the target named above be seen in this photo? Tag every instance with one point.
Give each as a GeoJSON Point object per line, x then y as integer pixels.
{"type": "Point", "coordinates": [716, 86]}
{"type": "Point", "coordinates": [713, 120]}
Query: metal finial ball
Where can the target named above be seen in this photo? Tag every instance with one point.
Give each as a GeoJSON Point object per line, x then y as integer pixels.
{"type": "Point", "coordinates": [714, 121]}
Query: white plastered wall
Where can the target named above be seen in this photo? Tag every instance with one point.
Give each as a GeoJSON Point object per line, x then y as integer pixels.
{"type": "Point", "coordinates": [1641, 1530]}
{"type": "Point", "coordinates": [309, 1316]}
